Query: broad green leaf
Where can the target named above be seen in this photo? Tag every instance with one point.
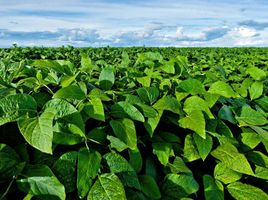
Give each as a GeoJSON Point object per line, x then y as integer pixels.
{"type": "Point", "coordinates": [196, 103]}
{"type": "Point", "coordinates": [46, 185]}
{"type": "Point", "coordinates": [107, 187]}
{"type": "Point", "coordinates": [9, 162]}
{"type": "Point", "coordinates": [63, 110]}
{"type": "Point", "coordinates": [145, 81]}
{"type": "Point", "coordinates": [68, 80]}
{"type": "Point", "coordinates": [211, 99]}
{"type": "Point", "coordinates": [124, 109]}
{"type": "Point", "coordinates": [120, 166]}
{"type": "Point", "coordinates": [256, 73]}
{"type": "Point", "coordinates": [261, 172]}
{"type": "Point", "coordinates": [64, 169]}
{"type": "Point", "coordinates": [242, 191]}
{"type": "Point", "coordinates": [255, 90]}
{"type": "Point", "coordinates": [190, 152]}
{"type": "Point", "coordinates": [116, 143]}
{"type": "Point", "coordinates": [223, 89]}
{"type": "Point", "coordinates": [38, 131]}
{"type": "Point", "coordinates": [86, 65]}
{"type": "Point", "coordinates": [98, 94]}
{"type": "Point", "coordinates": [258, 158]}
{"type": "Point", "coordinates": [148, 94]}
{"type": "Point", "coordinates": [149, 187]}
{"type": "Point", "coordinates": [152, 122]}
{"type": "Point", "coordinates": [178, 166]}
{"type": "Point", "coordinates": [250, 139]}
{"type": "Point", "coordinates": [89, 163]}
{"type": "Point", "coordinates": [70, 92]}
{"type": "Point", "coordinates": [229, 155]}
{"type": "Point", "coordinates": [204, 146]}
{"type": "Point", "coordinates": [263, 103]}
{"type": "Point", "coordinates": [192, 86]}
{"type": "Point", "coordinates": [226, 113]}
{"type": "Point", "coordinates": [213, 189]}
{"type": "Point", "coordinates": [195, 121]}
{"type": "Point", "coordinates": [125, 130]}
{"type": "Point", "coordinates": [168, 103]}
{"type": "Point", "coordinates": [249, 116]}
{"type": "Point", "coordinates": [135, 159]}
{"type": "Point", "coordinates": [16, 106]}
{"type": "Point", "coordinates": [178, 186]}
{"type": "Point", "coordinates": [106, 78]}
{"type": "Point", "coordinates": [163, 151]}
{"type": "Point", "coordinates": [147, 111]}
{"type": "Point", "coordinates": [225, 174]}
{"type": "Point", "coordinates": [94, 109]}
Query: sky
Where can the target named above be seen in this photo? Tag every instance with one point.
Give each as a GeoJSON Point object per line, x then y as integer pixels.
{"type": "Point", "coordinates": [179, 23]}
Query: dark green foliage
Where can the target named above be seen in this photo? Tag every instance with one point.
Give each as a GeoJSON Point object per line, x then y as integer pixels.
{"type": "Point", "coordinates": [133, 123]}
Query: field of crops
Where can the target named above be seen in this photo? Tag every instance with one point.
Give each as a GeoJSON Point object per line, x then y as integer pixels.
{"type": "Point", "coordinates": [133, 123]}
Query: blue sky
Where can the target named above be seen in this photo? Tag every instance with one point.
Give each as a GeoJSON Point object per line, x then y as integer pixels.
{"type": "Point", "coordinates": [95, 23]}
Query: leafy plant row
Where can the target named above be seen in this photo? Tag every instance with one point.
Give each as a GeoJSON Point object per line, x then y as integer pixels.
{"type": "Point", "coordinates": [141, 127]}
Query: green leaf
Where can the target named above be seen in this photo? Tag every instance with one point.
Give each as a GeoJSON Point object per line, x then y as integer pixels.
{"type": "Point", "coordinates": [223, 89]}
{"type": "Point", "coordinates": [261, 172]}
{"type": "Point", "coordinates": [94, 109]}
{"type": "Point", "coordinates": [256, 73]}
{"type": "Point", "coordinates": [9, 162]}
{"type": "Point", "coordinates": [148, 94]}
{"type": "Point", "coordinates": [67, 80]}
{"type": "Point", "coordinates": [16, 106]}
{"type": "Point", "coordinates": [86, 65]}
{"type": "Point", "coordinates": [250, 139]}
{"type": "Point", "coordinates": [87, 169]}
{"type": "Point", "coordinates": [125, 130]}
{"type": "Point", "coordinates": [178, 186]}
{"type": "Point", "coordinates": [190, 152]}
{"type": "Point", "coordinates": [149, 187]}
{"type": "Point", "coordinates": [107, 187]}
{"type": "Point", "coordinates": [70, 92]}
{"type": "Point", "coordinates": [229, 155]}
{"type": "Point", "coordinates": [258, 158]}
{"type": "Point", "coordinates": [116, 143]}
{"type": "Point", "coordinates": [226, 113]}
{"type": "Point", "coordinates": [63, 110]}
{"type": "Point", "coordinates": [147, 111]}
{"type": "Point", "coordinates": [255, 90]}
{"type": "Point", "coordinates": [263, 103]}
{"type": "Point", "coordinates": [168, 103]}
{"type": "Point", "coordinates": [46, 185]}
{"type": "Point", "coordinates": [192, 86]}
{"type": "Point", "coordinates": [204, 146]}
{"type": "Point", "coordinates": [123, 170]}
{"type": "Point", "coordinates": [249, 116]}
{"type": "Point", "coordinates": [195, 121]}
{"type": "Point", "coordinates": [65, 168]}
{"type": "Point", "coordinates": [178, 166]}
{"type": "Point", "coordinates": [152, 122]}
{"type": "Point", "coordinates": [163, 151]}
{"type": "Point", "coordinates": [196, 103]}
{"type": "Point", "coordinates": [38, 131]}
{"type": "Point", "coordinates": [242, 191]}
{"type": "Point", "coordinates": [225, 174]}
{"type": "Point", "coordinates": [124, 109]}
{"type": "Point", "coordinates": [135, 159]}
{"type": "Point", "coordinates": [106, 78]}
{"type": "Point", "coordinates": [213, 189]}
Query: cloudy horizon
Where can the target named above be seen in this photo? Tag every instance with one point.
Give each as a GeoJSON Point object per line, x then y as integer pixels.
{"type": "Point", "coordinates": [185, 23]}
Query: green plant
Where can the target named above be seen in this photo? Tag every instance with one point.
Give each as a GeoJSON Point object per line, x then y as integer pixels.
{"type": "Point", "coordinates": [132, 124]}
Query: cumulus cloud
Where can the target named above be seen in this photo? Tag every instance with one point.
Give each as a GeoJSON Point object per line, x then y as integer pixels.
{"type": "Point", "coordinates": [254, 24]}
